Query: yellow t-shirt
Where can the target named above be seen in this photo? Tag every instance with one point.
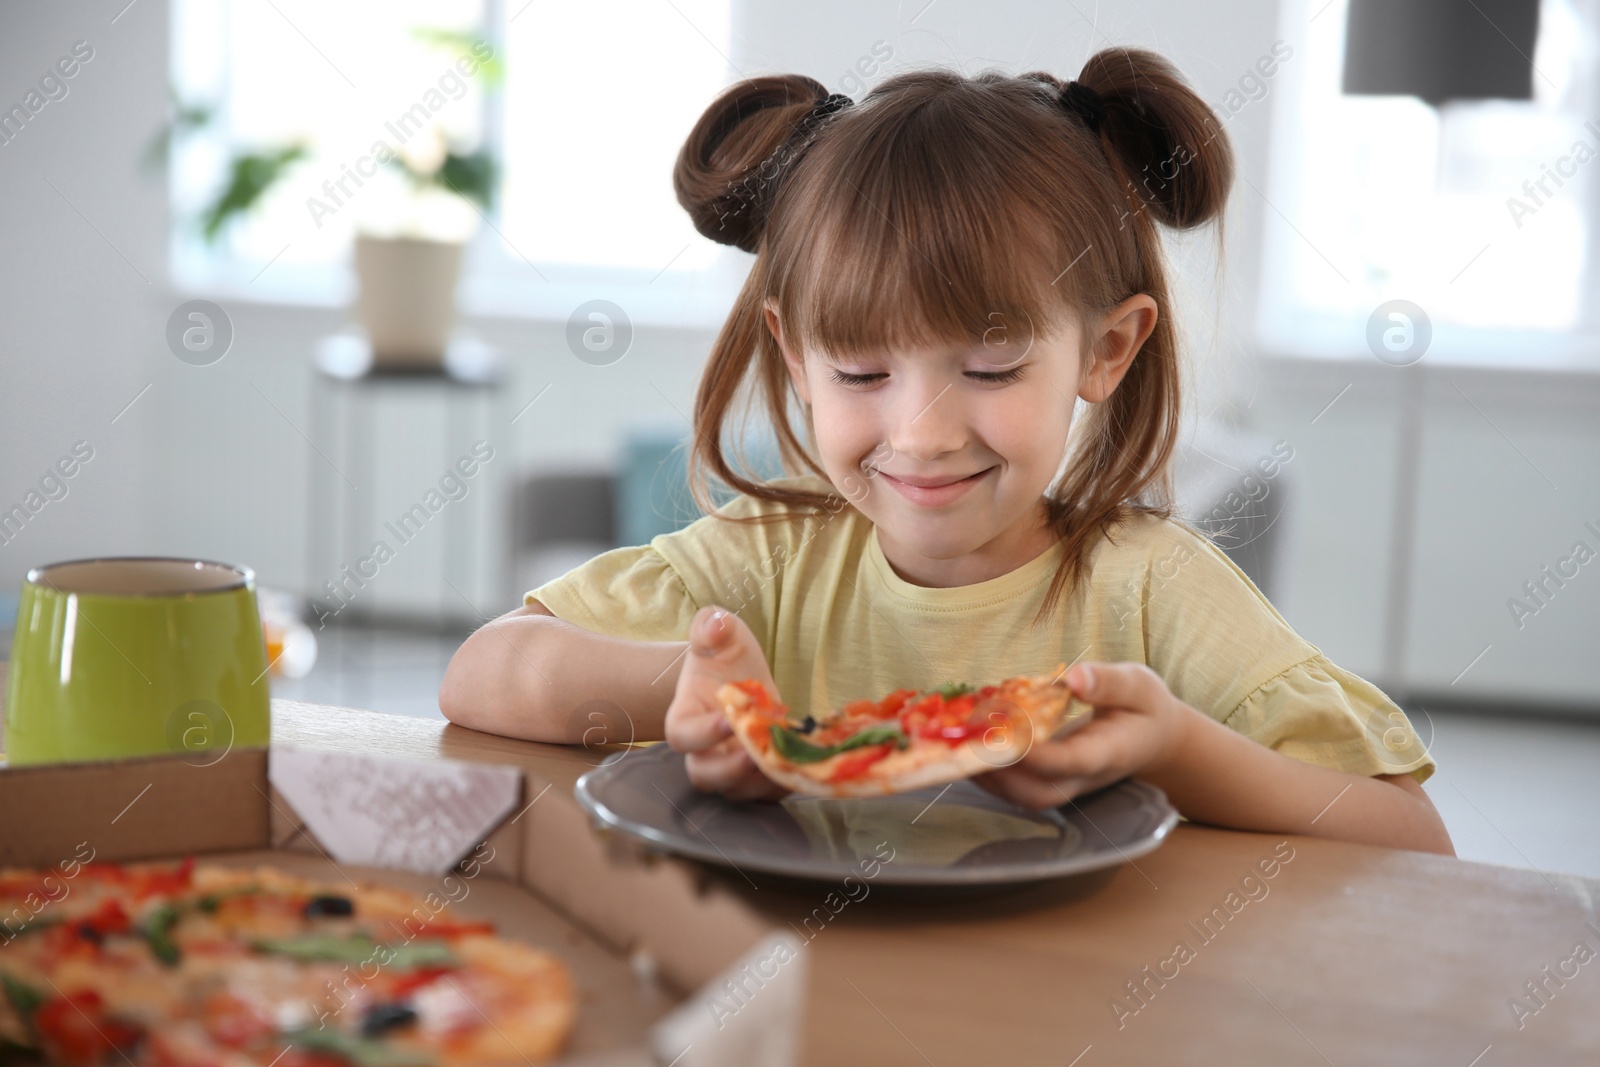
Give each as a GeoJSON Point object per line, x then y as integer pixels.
{"type": "Point", "coordinates": [837, 624]}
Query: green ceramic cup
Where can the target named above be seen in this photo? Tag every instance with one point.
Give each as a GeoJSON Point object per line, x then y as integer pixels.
{"type": "Point", "coordinates": [136, 657]}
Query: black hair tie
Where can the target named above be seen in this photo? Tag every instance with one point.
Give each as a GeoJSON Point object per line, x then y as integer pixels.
{"type": "Point", "coordinates": [786, 154]}
{"type": "Point", "coordinates": [1085, 102]}
{"type": "Point", "coordinates": [751, 198]}
{"type": "Point", "coordinates": [831, 103]}
{"type": "Point", "coordinates": [826, 106]}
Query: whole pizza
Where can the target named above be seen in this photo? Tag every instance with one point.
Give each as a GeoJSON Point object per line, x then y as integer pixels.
{"type": "Point", "coordinates": [181, 965]}
{"type": "Point", "coordinates": [906, 740]}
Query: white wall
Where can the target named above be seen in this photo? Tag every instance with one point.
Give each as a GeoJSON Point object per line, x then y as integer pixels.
{"type": "Point", "coordinates": [81, 281]}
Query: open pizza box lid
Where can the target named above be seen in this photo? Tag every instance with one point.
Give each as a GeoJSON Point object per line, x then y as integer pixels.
{"type": "Point", "coordinates": [670, 968]}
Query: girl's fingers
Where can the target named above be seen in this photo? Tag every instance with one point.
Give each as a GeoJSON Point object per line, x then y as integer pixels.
{"type": "Point", "coordinates": [711, 631]}
{"type": "Point", "coordinates": [720, 767]}
{"type": "Point", "coordinates": [1084, 754]}
{"type": "Point", "coordinates": [755, 786]}
{"type": "Point", "coordinates": [1116, 685]}
{"type": "Point", "coordinates": [694, 729]}
{"type": "Point", "coordinates": [1029, 790]}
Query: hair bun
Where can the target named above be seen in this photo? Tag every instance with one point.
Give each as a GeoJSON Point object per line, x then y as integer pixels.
{"type": "Point", "coordinates": [729, 163]}
{"type": "Point", "coordinates": [1170, 144]}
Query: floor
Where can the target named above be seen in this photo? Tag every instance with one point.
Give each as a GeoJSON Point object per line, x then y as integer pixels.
{"type": "Point", "coordinates": [1519, 791]}
{"type": "Point", "coordinates": [1513, 789]}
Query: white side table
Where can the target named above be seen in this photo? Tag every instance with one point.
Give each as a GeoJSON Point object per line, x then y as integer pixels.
{"type": "Point", "coordinates": [386, 539]}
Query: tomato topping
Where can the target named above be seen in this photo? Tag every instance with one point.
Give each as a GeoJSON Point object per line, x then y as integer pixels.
{"type": "Point", "coordinates": [856, 763]}
{"type": "Point", "coordinates": [75, 1030]}
{"type": "Point", "coordinates": [108, 918]}
{"type": "Point", "coordinates": [760, 699]}
{"type": "Point", "coordinates": [956, 720]}
{"type": "Point", "coordinates": [414, 980]}
{"type": "Point", "coordinates": [449, 928]}
{"type": "Point", "coordinates": [961, 706]}
{"type": "Point", "coordinates": [861, 709]}
{"type": "Point", "coordinates": [147, 882]}
{"type": "Point", "coordinates": [235, 1022]}
{"type": "Point", "coordinates": [895, 701]}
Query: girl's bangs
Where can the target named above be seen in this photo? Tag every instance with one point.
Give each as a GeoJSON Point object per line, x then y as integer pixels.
{"type": "Point", "coordinates": [935, 263]}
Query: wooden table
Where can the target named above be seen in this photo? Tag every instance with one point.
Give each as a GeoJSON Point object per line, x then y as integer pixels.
{"type": "Point", "coordinates": [1347, 955]}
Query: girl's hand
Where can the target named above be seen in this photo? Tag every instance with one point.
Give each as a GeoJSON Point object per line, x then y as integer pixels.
{"type": "Point", "coordinates": [1138, 727]}
{"type": "Point", "coordinates": [721, 649]}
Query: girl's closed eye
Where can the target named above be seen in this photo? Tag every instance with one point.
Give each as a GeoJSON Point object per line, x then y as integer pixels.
{"type": "Point", "coordinates": [846, 378]}
{"type": "Point", "coordinates": [1009, 375]}
{"type": "Point", "coordinates": [998, 377]}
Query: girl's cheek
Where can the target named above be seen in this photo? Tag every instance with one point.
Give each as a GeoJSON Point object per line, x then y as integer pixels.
{"type": "Point", "coordinates": [849, 435]}
{"type": "Point", "coordinates": [1019, 426]}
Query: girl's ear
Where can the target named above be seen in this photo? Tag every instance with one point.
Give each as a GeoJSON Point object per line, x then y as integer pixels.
{"type": "Point", "coordinates": [793, 360]}
{"type": "Point", "coordinates": [1122, 332]}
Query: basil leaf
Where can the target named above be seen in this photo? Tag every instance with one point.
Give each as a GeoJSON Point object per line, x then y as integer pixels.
{"type": "Point", "coordinates": [796, 749]}
{"type": "Point", "coordinates": [362, 1052]}
{"type": "Point", "coordinates": [158, 931]}
{"type": "Point", "coordinates": [23, 997]}
{"type": "Point", "coordinates": [358, 950]}
{"type": "Point", "coordinates": [952, 690]}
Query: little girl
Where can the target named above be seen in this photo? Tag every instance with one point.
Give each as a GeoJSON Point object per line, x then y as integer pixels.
{"type": "Point", "coordinates": [943, 273]}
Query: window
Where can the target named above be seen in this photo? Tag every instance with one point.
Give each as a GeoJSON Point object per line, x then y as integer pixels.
{"type": "Point", "coordinates": [584, 124]}
{"type": "Point", "coordinates": [1377, 198]}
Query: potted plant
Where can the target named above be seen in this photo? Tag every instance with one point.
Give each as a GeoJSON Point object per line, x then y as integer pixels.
{"type": "Point", "coordinates": [409, 248]}
{"type": "Point", "coordinates": [414, 215]}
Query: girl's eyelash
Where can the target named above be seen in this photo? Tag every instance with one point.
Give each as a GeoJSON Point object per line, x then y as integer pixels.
{"type": "Point", "coordinates": [845, 378]}
{"type": "Point", "coordinates": [997, 376]}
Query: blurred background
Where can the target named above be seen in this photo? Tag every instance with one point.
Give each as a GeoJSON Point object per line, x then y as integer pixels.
{"type": "Point", "coordinates": [392, 302]}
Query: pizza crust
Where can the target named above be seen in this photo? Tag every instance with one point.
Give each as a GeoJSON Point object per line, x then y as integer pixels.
{"type": "Point", "coordinates": [1035, 707]}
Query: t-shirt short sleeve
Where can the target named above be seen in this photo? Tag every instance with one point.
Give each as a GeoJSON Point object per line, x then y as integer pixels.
{"type": "Point", "coordinates": [651, 592]}
{"type": "Point", "coordinates": [632, 593]}
{"type": "Point", "coordinates": [1223, 648]}
{"type": "Point", "coordinates": [1318, 713]}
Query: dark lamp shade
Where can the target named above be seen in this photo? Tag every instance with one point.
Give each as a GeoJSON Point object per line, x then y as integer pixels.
{"type": "Point", "coordinates": [1441, 49]}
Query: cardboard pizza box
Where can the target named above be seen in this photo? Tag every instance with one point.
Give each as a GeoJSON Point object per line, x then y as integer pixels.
{"type": "Point", "coordinates": [670, 967]}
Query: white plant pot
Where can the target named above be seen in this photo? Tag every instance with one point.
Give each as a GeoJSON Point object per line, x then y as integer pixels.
{"type": "Point", "coordinates": [407, 298]}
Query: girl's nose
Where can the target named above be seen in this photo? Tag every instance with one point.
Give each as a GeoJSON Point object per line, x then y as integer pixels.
{"type": "Point", "coordinates": [931, 424]}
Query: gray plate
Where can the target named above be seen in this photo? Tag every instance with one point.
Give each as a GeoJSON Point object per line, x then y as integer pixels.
{"type": "Point", "coordinates": [956, 835]}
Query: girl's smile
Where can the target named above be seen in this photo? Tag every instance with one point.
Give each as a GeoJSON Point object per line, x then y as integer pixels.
{"type": "Point", "coordinates": [933, 492]}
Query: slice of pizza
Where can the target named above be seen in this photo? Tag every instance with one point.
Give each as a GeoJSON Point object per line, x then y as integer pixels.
{"type": "Point", "coordinates": [907, 740]}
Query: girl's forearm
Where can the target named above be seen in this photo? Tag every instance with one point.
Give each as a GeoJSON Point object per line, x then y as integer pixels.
{"type": "Point", "coordinates": [538, 678]}
{"type": "Point", "coordinates": [1218, 776]}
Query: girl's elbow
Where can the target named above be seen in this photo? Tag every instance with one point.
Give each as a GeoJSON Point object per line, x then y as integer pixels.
{"type": "Point", "coordinates": [452, 701]}
{"type": "Point", "coordinates": [494, 686]}
{"type": "Point", "coordinates": [472, 688]}
{"type": "Point", "coordinates": [457, 701]}
{"type": "Point", "coordinates": [1438, 841]}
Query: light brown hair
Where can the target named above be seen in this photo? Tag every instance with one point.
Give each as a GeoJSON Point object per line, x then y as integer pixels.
{"type": "Point", "coordinates": [935, 204]}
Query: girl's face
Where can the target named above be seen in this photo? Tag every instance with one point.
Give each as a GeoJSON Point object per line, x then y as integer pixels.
{"type": "Point", "coordinates": [957, 446]}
